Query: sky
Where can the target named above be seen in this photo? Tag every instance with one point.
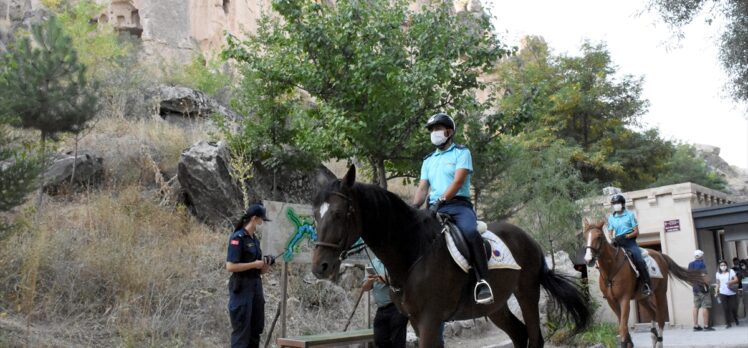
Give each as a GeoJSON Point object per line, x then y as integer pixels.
{"type": "Point", "coordinates": [683, 79]}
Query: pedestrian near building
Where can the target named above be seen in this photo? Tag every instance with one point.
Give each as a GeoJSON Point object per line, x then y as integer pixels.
{"type": "Point", "coordinates": [727, 285]}
{"type": "Point", "coordinates": [390, 326]}
{"type": "Point", "coordinates": [245, 262]}
{"type": "Point", "coordinates": [701, 298]}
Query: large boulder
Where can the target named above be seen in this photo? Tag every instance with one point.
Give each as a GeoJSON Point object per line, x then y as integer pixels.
{"type": "Point", "coordinates": [59, 175]}
{"type": "Point", "coordinates": [211, 194]}
{"type": "Point", "coordinates": [214, 197]}
{"type": "Point", "coordinates": [177, 103]}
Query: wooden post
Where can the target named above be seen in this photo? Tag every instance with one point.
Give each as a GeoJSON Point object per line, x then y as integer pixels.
{"type": "Point", "coordinates": [284, 297]}
{"type": "Point", "coordinates": [368, 309]}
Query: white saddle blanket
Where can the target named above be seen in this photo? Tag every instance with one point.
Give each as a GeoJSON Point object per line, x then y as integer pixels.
{"type": "Point", "coordinates": [501, 257]}
{"type": "Point", "coordinates": [652, 267]}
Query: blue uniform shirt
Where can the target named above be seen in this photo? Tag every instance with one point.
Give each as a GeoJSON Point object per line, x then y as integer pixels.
{"type": "Point", "coordinates": [622, 223]}
{"type": "Point", "coordinates": [244, 248]}
{"type": "Point", "coordinates": [380, 291]}
{"type": "Point", "coordinates": [439, 170]}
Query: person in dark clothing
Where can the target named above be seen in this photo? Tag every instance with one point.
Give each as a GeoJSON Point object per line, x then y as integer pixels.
{"type": "Point", "coordinates": [390, 326]}
{"type": "Point", "coordinates": [701, 296]}
{"type": "Point", "coordinates": [245, 262]}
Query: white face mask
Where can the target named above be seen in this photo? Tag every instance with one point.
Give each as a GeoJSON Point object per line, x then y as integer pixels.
{"type": "Point", "coordinates": [438, 138]}
{"type": "Point", "coordinates": [722, 268]}
{"type": "Point", "coordinates": [617, 207]}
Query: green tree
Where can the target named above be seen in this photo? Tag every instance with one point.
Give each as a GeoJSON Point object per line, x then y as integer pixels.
{"type": "Point", "coordinates": [733, 42]}
{"type": "Point", "coordinates": [366, 74]}
{"type": "Point", "coordinates": [581, 102]}
{"type": "Point", "coordinates": [539, 189]}
{"type": "Point", "coordinates": [44, 87]}
{"type": "Point", "coordinates": [98, 45]}
{"type": "Point", "coordinates": [19, 169]}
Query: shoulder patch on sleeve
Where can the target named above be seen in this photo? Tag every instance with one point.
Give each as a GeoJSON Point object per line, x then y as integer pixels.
{"type": "Point", "coordinates": [460, 146]}
{"type": "Point", "coordinates": [234, 242]}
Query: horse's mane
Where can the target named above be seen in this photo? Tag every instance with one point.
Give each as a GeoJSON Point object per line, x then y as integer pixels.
{"type": "Point", "coordinates": [387, 219]}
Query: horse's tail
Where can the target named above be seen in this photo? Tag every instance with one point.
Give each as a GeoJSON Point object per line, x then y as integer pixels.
{"type": "Point", "coordinates": [564, 291]}
{"type": "Point", "coordinates": [691, 277]}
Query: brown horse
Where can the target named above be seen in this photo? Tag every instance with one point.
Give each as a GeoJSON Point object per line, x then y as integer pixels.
{"type": "Point", "coordinates": [425, 283]}
{"type": "Point", "coordinates": [619, 286]}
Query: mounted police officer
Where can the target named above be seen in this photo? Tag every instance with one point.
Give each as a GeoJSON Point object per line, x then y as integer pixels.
{"type": "Point", "coordinates": [445, 179]}
{"type": "Point", "coordinates": [246, 264]}
{"type": "Point", "coordinates": [623, 230]}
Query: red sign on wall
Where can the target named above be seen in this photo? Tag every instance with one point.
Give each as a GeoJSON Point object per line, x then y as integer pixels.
{"type": "Point", "coordinates": [672, 225]}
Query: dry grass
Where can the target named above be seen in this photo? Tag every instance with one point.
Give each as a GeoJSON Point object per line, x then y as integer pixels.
{"type": "Point", "coordinates": [114, 268]}
{"type": "Point", "coordinates": [140, 274]}
{"type": "Point", "coordinates": [128, 145]}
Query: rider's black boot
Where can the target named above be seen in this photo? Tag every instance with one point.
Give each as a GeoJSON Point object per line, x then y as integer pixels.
{"type": "Point", "coordinates": [482, 292]}
{"type": "Point", "coordinates": [644, 275]}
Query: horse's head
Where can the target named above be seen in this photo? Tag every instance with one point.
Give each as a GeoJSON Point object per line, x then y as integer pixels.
{"type": "Point", "coordinates": [595, 239]}
{"type": "Point", "coordinates": [338, 224]}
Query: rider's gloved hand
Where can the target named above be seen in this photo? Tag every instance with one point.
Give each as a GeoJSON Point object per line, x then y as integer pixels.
{"type": "Point", "coordinates": [619, 240]}
{"type": "Point", "coordinates": [435, 207]}
{"type": "Point", "coordinates": [269, 260]}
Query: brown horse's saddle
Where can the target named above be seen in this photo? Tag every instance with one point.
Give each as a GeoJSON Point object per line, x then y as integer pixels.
{"type": "Point", "coordinates": [652, 267]}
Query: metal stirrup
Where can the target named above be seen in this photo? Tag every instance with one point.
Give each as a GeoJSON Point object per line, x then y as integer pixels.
{"type": "Point", "coordinates": [489, 300]}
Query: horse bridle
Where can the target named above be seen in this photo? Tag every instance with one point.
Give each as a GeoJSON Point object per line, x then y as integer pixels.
{"type": "Point", "coordinates": [344, 252]}
{"type": "Point", "coordinates": [595, 251]}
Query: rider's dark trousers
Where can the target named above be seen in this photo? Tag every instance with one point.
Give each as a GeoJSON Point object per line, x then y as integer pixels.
{"type": "Point", "coordinates": [636, 256]}
{"type": "Point", "coordinates": [464, 215]}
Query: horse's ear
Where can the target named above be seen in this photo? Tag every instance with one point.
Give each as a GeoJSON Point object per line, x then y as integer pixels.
{"type": "Point", "coordinates": [350, 177]}
{"type": "Point", "coordinates": [585, 223]}
{"type": "Point", "coordinates": [322, 179]}
{"type": "Point", "coordinates": [600, 223]}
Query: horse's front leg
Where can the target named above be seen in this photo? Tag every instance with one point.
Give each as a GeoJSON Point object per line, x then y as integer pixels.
{"type": "Point", "coordinates": [623, 322]}
{"type": "Point", "coordinates": [429, 334]}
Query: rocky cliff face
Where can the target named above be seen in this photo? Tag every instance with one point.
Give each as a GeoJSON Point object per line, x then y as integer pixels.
{"type": "Point", "coordinates": [737, 178]}
{"type": "Point", "coordinates": [176, 30]}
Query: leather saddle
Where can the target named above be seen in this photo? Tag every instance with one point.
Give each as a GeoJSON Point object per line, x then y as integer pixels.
{"type": "Point", "coordinates": [460, 242]}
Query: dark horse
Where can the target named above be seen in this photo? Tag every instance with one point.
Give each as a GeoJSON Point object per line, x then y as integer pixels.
{"type": "Point", "coordinates": [618, 282]}
{"type": "Point", "coordinates": [425, 283]}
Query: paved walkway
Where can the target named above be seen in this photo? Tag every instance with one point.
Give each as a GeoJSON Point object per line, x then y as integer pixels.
{"type": "Point", "coordinates": [734, 337]}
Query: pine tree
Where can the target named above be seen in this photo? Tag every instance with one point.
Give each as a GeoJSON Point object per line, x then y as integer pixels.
{"type": "Point", "coordinates": [19, 168]}
{"type": "Point", "coordinates": [44, 86]}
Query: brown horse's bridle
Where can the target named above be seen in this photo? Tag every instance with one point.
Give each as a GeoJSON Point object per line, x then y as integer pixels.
{"type": "Point", "coordinates": [596, 251]}
{"type": "Point", "coordinates": [344, 251]}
